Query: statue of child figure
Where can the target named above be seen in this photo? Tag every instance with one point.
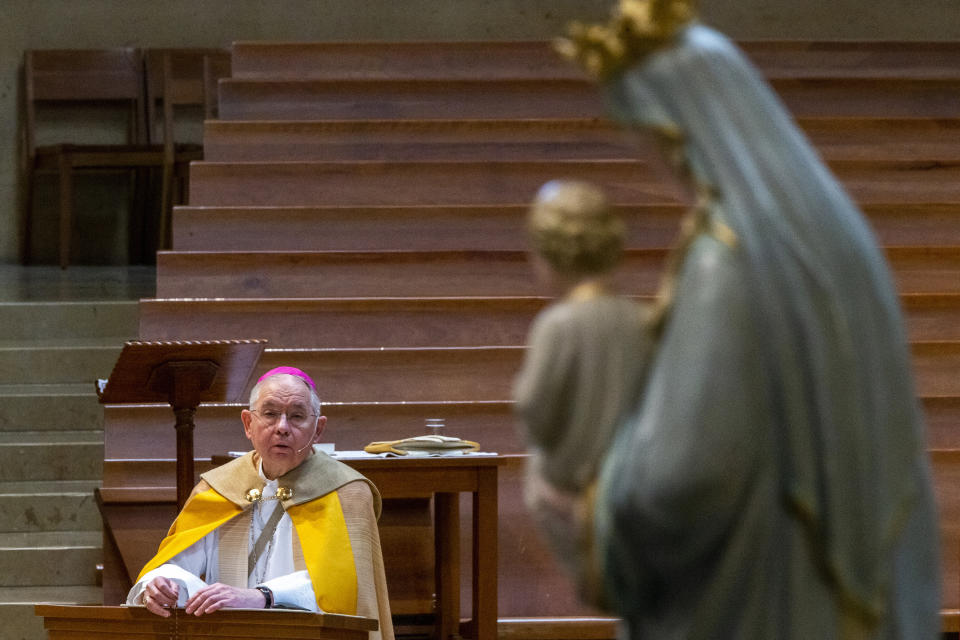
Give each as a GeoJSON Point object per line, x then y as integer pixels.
{"type": "Point", "coordinates": [584, 366]}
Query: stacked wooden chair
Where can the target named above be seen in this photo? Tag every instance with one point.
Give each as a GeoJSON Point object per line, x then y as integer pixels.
{"type": "Point", "coordinates": [112, 110]}
{"type": "Point", "coordinates": [361, 207]}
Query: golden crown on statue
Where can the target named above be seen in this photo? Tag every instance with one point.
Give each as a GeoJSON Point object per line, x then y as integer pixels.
{"type": "Point", "coordinates": [636, 29]}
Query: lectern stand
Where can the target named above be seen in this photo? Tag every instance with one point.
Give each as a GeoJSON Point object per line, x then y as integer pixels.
{"type": "Point", "coordinates": [64, 622]}
{"type": "Point", "coordinates": [183, 374]}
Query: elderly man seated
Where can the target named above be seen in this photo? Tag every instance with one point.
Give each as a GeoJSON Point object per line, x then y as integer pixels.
{"type": "Point", "coordinates": [282, 526]}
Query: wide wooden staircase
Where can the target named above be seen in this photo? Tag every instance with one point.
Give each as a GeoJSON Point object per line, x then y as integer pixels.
{"type": "Point", "coordinates": [361, 207]}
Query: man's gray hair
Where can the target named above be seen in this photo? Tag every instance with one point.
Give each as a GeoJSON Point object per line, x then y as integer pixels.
{"type": "Point", "coordinates": [315, 404]}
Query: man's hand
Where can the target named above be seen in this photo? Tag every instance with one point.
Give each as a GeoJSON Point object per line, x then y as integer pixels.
{"type": "Point", "coordinates": [160, 595]}
{"type": "Point", "coordinates": [219, 596]}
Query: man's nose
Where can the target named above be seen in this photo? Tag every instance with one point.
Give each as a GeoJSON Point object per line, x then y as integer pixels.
{"type": "Point", "coordinates": [282, 425]}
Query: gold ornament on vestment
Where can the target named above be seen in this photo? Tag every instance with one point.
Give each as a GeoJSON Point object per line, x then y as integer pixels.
{"type": "Point", "coordinates": [255, 495]}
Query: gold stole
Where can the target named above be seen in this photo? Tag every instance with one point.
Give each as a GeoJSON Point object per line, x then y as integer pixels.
{"type": "Point", "coordinates": [320, 527]}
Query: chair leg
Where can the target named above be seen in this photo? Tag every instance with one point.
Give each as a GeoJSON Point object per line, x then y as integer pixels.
{"type": "Point", "coordinates": [166, 206]}
{"type": "Point", "coordinates": [26, 222]}
{"type": "Point", "coordinates": [66, 208]}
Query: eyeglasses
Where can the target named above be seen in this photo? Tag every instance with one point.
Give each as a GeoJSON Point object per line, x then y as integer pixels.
{"type": "Point", "coordinates": [296, 419]}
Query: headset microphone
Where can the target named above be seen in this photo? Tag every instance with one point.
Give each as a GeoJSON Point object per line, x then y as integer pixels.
{"type": "Point", "coordinates": [309, 443]}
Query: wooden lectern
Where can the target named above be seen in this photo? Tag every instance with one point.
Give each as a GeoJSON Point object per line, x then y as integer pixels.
{"type": "Point", "coordinates": [64, 622]}
{"type": "Point", "coordinates": [183, 374]}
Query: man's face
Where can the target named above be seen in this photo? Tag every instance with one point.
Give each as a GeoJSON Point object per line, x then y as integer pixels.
{"type": "Point", "coordinates": [285, 402]}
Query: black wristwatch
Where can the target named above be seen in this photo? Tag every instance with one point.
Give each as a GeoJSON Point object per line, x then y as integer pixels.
{"type": "Point", "coordinates": [267, 595]}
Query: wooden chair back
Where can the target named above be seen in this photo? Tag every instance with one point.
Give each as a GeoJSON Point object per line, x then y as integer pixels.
{"type": "Point", "coordinates": [176, 78]}
{"type": "Point", "coordinates": [214, 67]}
{"type": "Point", "coordinates": [176, 82]}
{"type": "Point", "coordinates": [83, 111]}
{"type": "Point", "coordinates": [76, 77]}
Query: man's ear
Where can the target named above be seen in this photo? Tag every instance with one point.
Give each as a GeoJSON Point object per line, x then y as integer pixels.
{"type": "Point", "coordinates": [321, 424]}
{"type": "Point", "coordinates": [247, 418]}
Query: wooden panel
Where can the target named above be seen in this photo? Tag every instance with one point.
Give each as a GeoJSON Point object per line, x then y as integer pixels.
{"type": "Point", "coordinates": [908, 138]}
{"type": "Point", "coordinates": [932, 317]}
{"type": "Point", "coordinates": [801, 58]}
{"type": "Point", "coordinates": [346, 323]}
{"type": "Point", "coordinates": [877, 97]}
{"type": "Point", "coordinates": [412, 183]}
{"type": "Point", "coordinates": [133, 431]}
{"type": "Point", "coordinates": [395, 375]}
{"type": "Point", "coordinates": [418, 322]}
{"type": "Point", "coordinates": [418, 99]}
{"type": "Point", "coordinates": [486, 373]}
{"type": "Point", "coordinates": [384, 273]}
{"type": "Point", "coordinates": [486, 183]}
{"type": "Point", "coordinates": [878, 59]}
{"type": "Point", "coordinates": [84, 74]}
{"type": "Point", "coordinates": [411, 228]}
{"type": "Point", "coordinates": [384, 60]}
{"type": "Point", "coordinates": [526, 139]}
{"type": "Point", "coordinates": [926, 269]}
{"type": "Point", "coordinates": [921, 224]}
{"type": "Point", "coordinates": [74, 622]}
{"type": "Point", "coordinates": [450, 273]}
{"type": "Point", "coordinates": [555, 98]}
{"type": "Point", "coordinates": [540, 139]}
{"type": "Point", "coordinates": [943, 421]}
{"type": "Point", "coordinates": [946, 481]}
{"type": "Point", "coordinates": [139, 431]}
{"type": "Point", "coordinates": [936, 365]}
{"type": "Point", "coordinates": [464, 228]}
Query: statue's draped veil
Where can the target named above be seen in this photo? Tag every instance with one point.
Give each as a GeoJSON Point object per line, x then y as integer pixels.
{"type": "Point", "coordinates": [845, 419]}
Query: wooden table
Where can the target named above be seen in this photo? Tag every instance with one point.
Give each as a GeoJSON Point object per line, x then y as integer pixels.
{"type": "Point", "coordinates": [446, 478]}
{"type": "Point", "coordinates": [132, 510]}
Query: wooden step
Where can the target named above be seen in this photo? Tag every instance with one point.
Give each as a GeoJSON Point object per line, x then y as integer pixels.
{"type": "Point", "coordinates": [411, 183]}
{"type": "Point", "coordinates": [486, 373]}
{"type": "Point", "coordinates": [855, 59]}
{"type": "Point", "coordinates": [522, 59]}
{"type": "Point", "coordinates": [943, 421]}
{"type": "Point", "coordinates": [402, 374]}
{"type": "Point", "coordinates": [417, 99]}
{"type": "Point", "coordinates": [540, 139]}
{"type": "Point", "coordinates": [553, 98]}
{"type": "Point", "coordinates": [925, 269]}
{"type": "Point", "coordinates": [488, 183]}
{"type": "Point", "coordinates": [945, 466]}
{"type": "Point", "coordinates": [397, 140]}
{"type": "Point", "coordinates": [367, 274]}
{"type": "Point", "coordinates": [350, 427]}
{"type": "Point", "coordinates": [411, 228]}
{"type": "Point", "coordinates": [906, 138]}
{"type": "Point", "coordinates": [444, 374]}
{"type": "Point", "coordinates": [935, 367]}
{"type": "Point", "coordinates": [394, 60]}
{"type": "Point", "coordinates": [418, 322]}
{"type": "Point", "coordinates": [331, 274]}
{"type": "Point", "coordinates": [479, 227]}
{"type": "Point", "coordinates": [347, 322]}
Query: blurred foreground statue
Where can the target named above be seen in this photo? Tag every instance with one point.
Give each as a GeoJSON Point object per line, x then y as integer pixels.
{"type": "Point", "coordinates": [773, 480]}
{"type": "Point", "coordinates": [583, 371]}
